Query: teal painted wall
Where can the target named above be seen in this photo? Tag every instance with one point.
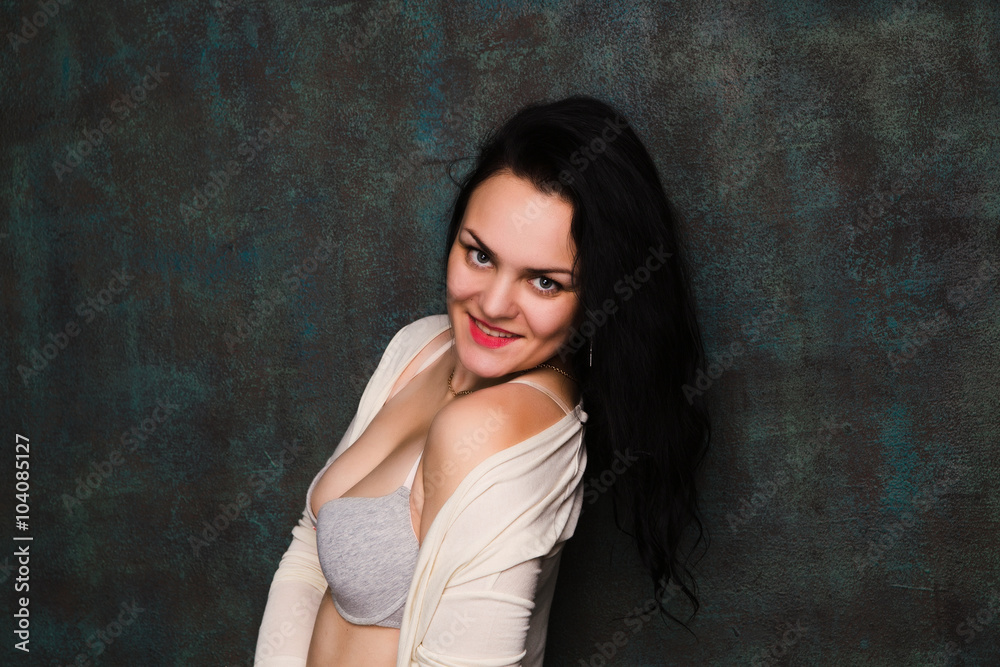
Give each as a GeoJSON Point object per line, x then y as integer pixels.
{"type": "Point", "coordinates": [197, 305]}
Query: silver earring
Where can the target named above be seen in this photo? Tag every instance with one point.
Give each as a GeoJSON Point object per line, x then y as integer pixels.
{"type": "Point", "coordinates": [590, 358]}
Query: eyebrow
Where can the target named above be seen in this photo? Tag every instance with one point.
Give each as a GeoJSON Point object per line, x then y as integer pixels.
{"type": "Point", "coordinates": [487, 249]}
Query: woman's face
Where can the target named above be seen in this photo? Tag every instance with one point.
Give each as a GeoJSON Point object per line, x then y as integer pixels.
{"type": "Point", "coordinates": [509, 273]}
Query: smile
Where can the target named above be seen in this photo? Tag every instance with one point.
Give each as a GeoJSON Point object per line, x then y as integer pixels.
{"type": "Point", "coordinates": [488, 337]}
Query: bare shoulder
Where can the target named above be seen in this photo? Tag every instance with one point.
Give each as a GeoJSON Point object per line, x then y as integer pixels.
{"type": "Point", "coordinates": [472, 428]}
{"type": "Point", "coordinates": [493, 419]}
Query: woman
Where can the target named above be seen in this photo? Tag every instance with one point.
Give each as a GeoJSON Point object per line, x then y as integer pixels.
{"type": "Point", "coordinates": [440, 518]}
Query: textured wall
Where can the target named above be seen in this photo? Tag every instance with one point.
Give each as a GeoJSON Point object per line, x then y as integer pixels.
{"type": "Point", "coordinates": [217, 213]}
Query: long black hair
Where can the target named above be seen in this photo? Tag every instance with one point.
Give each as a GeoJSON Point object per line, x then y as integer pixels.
{"type": "Point", "coordinates": [638, 321]}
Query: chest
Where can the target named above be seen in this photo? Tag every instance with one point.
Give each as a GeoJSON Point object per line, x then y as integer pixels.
{"type": "Point", "coordinates": [378, 462]}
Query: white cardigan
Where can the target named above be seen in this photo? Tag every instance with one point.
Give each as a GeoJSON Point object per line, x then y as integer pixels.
{"type": "Point", "coordinates": [486, 570]}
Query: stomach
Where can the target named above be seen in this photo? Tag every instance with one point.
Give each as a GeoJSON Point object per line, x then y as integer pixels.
{"type": "Point", "coordinates": [336, 641]}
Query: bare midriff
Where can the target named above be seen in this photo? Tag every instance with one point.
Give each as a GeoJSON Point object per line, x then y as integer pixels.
{"type": "Point", "coordinates": [336, 641]}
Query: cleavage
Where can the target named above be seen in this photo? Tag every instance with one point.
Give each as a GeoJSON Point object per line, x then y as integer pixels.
{"type": "Point", "coordinates": [396, 435]}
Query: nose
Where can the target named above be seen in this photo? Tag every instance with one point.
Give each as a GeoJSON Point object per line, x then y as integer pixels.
{"type": "Point", "coordinates": [497, 299]}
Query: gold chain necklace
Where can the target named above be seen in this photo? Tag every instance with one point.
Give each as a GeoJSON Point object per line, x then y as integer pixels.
{"type": "Point", "coordinates": [541, 365]}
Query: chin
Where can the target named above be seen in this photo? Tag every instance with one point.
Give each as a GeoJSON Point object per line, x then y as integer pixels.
{"type": "Point", "coordinates": [477, 360]}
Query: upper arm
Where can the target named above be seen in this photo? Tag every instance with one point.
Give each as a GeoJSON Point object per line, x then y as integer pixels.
{"type": "Point", "coordinates": [468, 431]}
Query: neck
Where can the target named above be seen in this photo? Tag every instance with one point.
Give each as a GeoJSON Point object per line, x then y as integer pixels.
{"type": "Point", "coordinates": [465, 380]}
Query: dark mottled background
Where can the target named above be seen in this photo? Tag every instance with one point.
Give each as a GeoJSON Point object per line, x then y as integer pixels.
{"type": "Point", "coordinates": [835, 165]}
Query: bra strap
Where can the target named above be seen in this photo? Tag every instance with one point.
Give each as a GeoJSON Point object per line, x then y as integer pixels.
{"type": "Point", "coordinates": [434, 357]}
{"type": "Point", "coordinates": [430, 360]}
{"type": "Point", "coordinates": [427, 362]}
{"type": "Point", "coordinates": [413, 472]}
{"type": "Point", "coordinates": [545, 390]}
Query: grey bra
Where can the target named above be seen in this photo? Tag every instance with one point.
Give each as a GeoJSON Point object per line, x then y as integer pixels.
{"type": "Point", "coordinates": [368, 552]}
{"type": "Point", "coordinates": [368, 549]}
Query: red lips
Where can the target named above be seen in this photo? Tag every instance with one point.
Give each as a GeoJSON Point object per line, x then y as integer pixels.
{"type": "Point", "coordinates": [485, 339]}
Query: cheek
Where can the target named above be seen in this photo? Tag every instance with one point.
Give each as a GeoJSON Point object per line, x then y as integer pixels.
{"type": "Point", "coordinates": [555, 324]}
{"type": "Point", "coordinates": [460, 281]}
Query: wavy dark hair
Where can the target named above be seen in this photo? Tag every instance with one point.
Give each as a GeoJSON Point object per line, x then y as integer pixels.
{"type": "Point", "coordinates": [640, 318]}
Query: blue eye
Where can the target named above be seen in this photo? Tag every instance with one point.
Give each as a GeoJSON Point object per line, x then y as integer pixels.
{"type": "Point", "coordinates": [480, 259]}
{"type": "Point", "coordinates": [547, 285]}
{"type": "Point", "coordinates": [477, 257]}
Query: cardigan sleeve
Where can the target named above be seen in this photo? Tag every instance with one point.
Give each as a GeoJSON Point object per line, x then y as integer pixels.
{"type": "Point", "coordinates": [292, 602]}
{"type": "Point", "coordinates": [484, 621]}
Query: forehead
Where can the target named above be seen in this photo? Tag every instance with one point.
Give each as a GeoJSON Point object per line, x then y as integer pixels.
{"type": "Point", "coordinates": [520, 223]}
